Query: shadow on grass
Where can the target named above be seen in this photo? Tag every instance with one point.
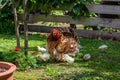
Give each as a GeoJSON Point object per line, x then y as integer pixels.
{"type": "Point", "coordinates": [93, 70]}
{"type": "Point", "coordinates": [38, 37]}
{"type": "Point", "coordinates": [101, 67]}
{"type": "Point", "coordinates": [85, 76]}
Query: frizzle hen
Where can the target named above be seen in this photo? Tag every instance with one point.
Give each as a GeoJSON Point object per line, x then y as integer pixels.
{"type": "Point", "coordinates": [62, 41]}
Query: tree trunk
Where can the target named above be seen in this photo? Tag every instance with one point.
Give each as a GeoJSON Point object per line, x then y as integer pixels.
{"type": "Point", "coordinates": [25, 27]}
{"type": "Point", "coordinates": [16, 25]}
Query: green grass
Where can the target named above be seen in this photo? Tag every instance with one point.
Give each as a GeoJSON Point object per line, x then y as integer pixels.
{"type": "Point", "coordinates": [103, 65]}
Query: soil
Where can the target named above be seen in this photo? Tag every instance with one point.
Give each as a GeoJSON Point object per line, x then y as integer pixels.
{"type": "Point", "coordinates": [2, 69]}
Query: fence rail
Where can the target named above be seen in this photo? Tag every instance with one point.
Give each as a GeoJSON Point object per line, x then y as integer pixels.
{"type": "Point", "coordinates": [104, 9]}
{"type": "Point", "coordinates": [103, 22]}
{"type": "Point", "coordinates": [110, 0]}
{"type": "Point", "coordinates": [81, 33]}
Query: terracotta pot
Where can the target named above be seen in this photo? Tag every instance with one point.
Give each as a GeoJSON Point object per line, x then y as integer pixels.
{"type": "Point", "coordinates": [8, 73]}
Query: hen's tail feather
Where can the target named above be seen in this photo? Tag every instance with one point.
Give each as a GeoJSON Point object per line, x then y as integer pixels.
{"type": "Point", "coordinates": [68, 31]}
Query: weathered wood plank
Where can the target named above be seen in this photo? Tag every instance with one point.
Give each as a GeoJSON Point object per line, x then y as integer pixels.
{"type": "Point", "coordinates": [81, 33]}
{"type": "Point", "coordinates": [104, 9]}
{"type": "Point", "coordinates": [49, 18]}
{"type": "Point", "coordinates": [110, 0]}
{"type": "Point", "coordinates": [104, 22]}
{"type": "Point", "coordinates": [39, 28]}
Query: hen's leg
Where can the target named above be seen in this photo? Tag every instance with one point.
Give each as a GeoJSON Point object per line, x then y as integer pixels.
{"type": "Point", "coordinates": [60, 57]}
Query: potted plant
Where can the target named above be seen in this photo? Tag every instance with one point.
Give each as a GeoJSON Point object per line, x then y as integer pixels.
{"type": "Point", "coordinates": [6, 70]}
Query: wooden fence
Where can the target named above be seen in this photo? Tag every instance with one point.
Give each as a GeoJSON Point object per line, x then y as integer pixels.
{"type": "Point", "coordinates": [98, 21]}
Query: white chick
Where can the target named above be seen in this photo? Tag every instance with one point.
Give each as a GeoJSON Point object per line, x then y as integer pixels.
{"type": "Point", "coordinates": [68, 58]}
{"type": "Point", "coordinates": [44, 57]}
{"type": "Point", "coordinates": [79, 47]}
{"type": "Point", "coordinates": [86, 56]}
{"type": "Point", "coordinates": [103, 47]}
{"type": "Point", "coordinates": [41, 49]}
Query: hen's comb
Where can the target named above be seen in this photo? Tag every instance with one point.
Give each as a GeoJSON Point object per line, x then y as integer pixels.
{"type": "Point", "coordinates": [54, 30]}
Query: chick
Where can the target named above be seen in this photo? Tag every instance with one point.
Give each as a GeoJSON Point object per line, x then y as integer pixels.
{"type": "Point", "coordinates": [103, 47]}
{"type": "Point", "coordinates": [68, 58]}
{"type": "Point", "coordinates": [87, 57]}
{"type": "Point", "coordinates": [44, 57]}
{"type": "Point", "coordinates": [41, 49]}
{"type": "Point", "coordinates": [79, 47]}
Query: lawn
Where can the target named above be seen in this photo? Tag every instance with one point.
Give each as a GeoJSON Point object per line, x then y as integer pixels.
{"type": "Point", "coordinates": [103, 65]}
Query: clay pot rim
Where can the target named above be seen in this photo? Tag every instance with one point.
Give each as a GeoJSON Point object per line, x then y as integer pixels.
{"type": "Point", "coordinates": [10, 70]}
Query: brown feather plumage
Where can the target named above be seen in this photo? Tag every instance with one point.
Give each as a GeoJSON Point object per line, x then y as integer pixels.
{"type": "Point", "coordinates": [62, 41]}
